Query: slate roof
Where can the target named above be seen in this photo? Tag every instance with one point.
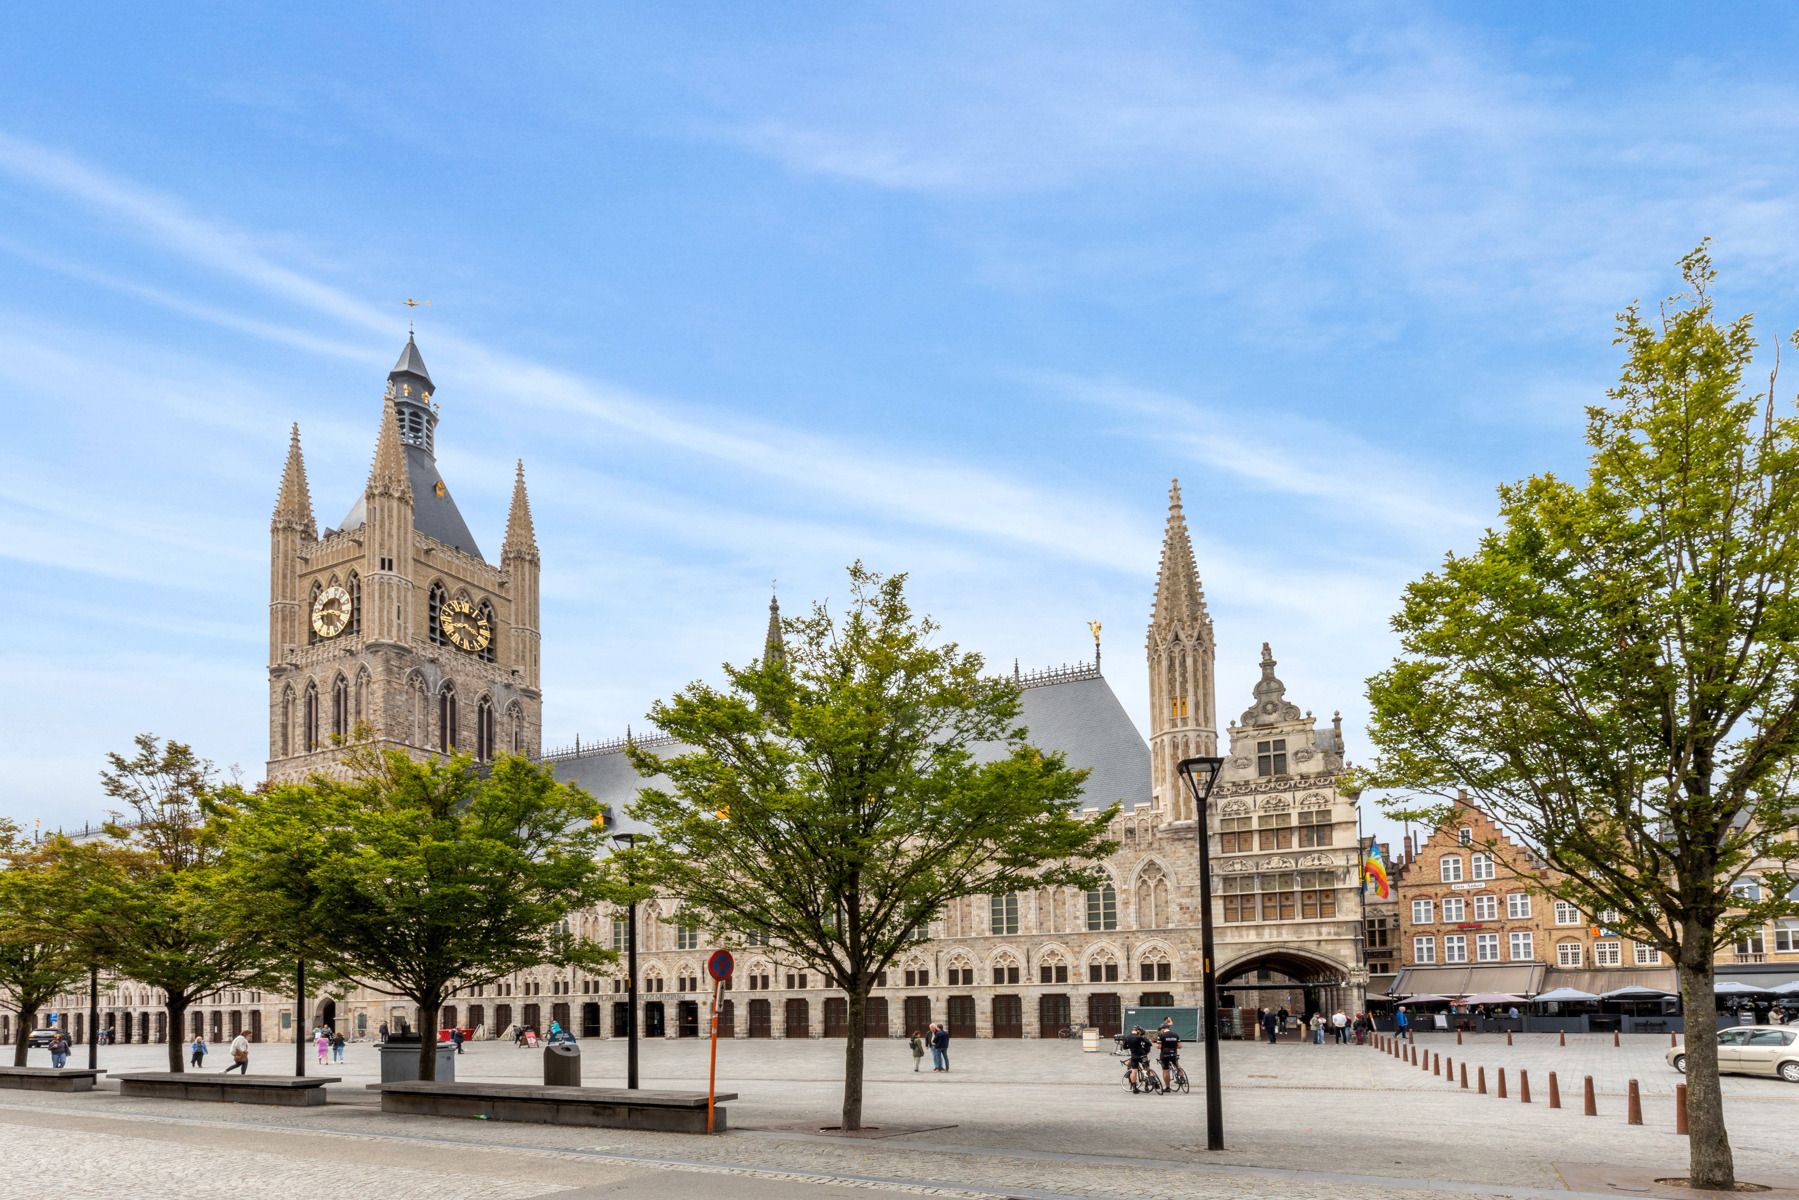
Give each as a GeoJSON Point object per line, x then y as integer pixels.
{"type": "Point", "coordinates": [411, 362]}
{"type": "Point", "coordinates": [1076, 714]}
{"type": "Point", "coordinates": [432, 515]}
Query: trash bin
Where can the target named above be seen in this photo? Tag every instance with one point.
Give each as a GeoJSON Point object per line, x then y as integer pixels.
{"type": "Point", "coordinates": [1090, 1040]}
{"type": "Point", "coordinates": [562, 1064]}
{"type": "Point", "coordinates": [400, 1060]}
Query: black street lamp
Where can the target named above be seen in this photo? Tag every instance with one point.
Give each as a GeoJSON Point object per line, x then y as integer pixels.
{"type": "Point", "coordinates": [629, 840]}
{"type": "Point", "coordinates": [1201, 774]}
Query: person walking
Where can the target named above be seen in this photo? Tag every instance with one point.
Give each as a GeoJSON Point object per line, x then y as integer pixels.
{"type": "Point", "coordinates": [1271, 1025]}
{"type": "Point", "coordinates": [337, 1047]}
{"type": "Point", "coordinates": [383, 1030]}
{"type": "Point", "coordinates": [917, 1051]}
{"type": "Point", "coordinates": [456, 1038]}
{"type": "Point", "coordinates": [240, 1055]}
{"type": "Point", "coordinates": [1402, 1024]}
{"type": "Point", "coordinates": [197, 1052]}
{"type": "Point", "coordinates": [942, 1044]}
{"type": "Point", "coordinates": [59, 1050]}
{"type": "Point", "coordinates": [322, 1041]}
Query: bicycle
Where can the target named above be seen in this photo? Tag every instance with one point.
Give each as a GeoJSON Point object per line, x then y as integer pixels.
{"type": "Point", "coordinates": [1071, 1031]}
{"type": "Point", "coordinates": [1177, 1079]}
{"type": "Point", "coordinates": [1147, 1080]}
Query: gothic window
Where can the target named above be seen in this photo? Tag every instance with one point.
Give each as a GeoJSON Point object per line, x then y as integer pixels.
{"type": "Point", "coordinates": [353, 585]}
{"type": "Point", "coordinates": [484, 747]}
{"type": "Point", "coordinates": [1155, 967]}
{"type": "Point", "coordinates": [961, 972]}
{"type": "Point", "coordinates": [1005, 969]}
{"type": "Point", "coordinates": [309, 718]}
{"type": "Point", "coordinates": [361, 713]}
{"type": "Point", "coordinates": [438, 598]}
{"type": "Point", "coordinates": [1102, 908]}
{"type": "Point", "coordinates": [421, 709]}
{"type": "Point", "coordinates": [340, 707]}
{"type": "Point", "coordinates": [515, 721]}
{"type": "Point", "coordinates": [1152, 898]}
{"type": "Point", "coordinates": [487, 615]}
{"type": "Point", "coordinates": [1052, 968]}
{"type": "Point", "coordinates": [312, 606]}
{"type": "Point", "coordinates": [1102, 967]}
{"type": "Point", "coordinates": [287, 721]}
{"type": "Point", "coordinates": [446, 718]}
{"type": "Point", "coordinates": [1005, 914]}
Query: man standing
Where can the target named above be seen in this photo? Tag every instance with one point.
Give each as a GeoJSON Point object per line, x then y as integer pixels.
{"type": "Point", "coordinates": [942, 1044]}
{"type": "Point", "coordinates": [1169, 1042]}
{"type": "Point", "coordinates": [1340, 1025]}
{"type": "Point", "coordinates": [456, 1038]}
{"type": "Point", "coordinates": [240, 1055]}
{"type": "Point", "coordinates": [1271, 1025]}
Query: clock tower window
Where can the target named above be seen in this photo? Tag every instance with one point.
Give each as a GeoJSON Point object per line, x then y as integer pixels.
{"type": "Point", "coordinates": [340, 707]}
{"type": "Point", "coordinates": [309, 718]}
{"type": "Point", "coordinates": [446, 719]}
{"type": "Point", "coordinates": [484, 747]}
{"type": "Point", "coordinates": [487, 622]}
{"type": "Point", "coordinates": [439, 597]}
{"type": "Point", "coordinates": [312, 606]}
{"type": "Point", "coordinates": [353, 585]}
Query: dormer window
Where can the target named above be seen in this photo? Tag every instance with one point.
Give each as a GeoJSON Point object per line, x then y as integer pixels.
{"type": "Point", "coordinates": [1271, 757]}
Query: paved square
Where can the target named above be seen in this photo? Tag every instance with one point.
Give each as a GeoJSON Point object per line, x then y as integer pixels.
{"type": "Point", "coordinates": [1025, 1119]}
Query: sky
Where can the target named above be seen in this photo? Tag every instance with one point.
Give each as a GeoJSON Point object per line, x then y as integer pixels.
{"type": "Point", "coordinates": [756, 291]}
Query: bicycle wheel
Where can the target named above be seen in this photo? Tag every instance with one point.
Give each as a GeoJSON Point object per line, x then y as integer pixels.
{"type": "Point", "coordinates": [1128, 1085]}
{"type": "Point", "coordinates": [1180, 1081]}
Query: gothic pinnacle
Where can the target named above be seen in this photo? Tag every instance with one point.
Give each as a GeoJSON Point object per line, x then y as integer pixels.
{"type": "Point", "coordinates": [774, 647]}
{"type": "Point", "coordinates": [1179, 597]}
{"type": "Point", "coordinates": [521, 534]}
{"type": "Point", "coordinates": [293, 504]}
{"type": "Point", "coordinates": [388, 474]}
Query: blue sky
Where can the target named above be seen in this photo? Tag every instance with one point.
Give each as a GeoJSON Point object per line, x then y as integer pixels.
{"type": "Point", "coordinates": [756, 290]}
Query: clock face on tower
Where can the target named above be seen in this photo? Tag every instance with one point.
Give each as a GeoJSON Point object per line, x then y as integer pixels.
{"type": "Point", "coordinates": [465, 625]}
{"type": "Point", "coordinates": [331, 612]}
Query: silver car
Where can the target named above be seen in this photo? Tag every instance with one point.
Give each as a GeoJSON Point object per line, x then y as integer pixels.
{"type": "Point", "coordinates": [1752, 1050]}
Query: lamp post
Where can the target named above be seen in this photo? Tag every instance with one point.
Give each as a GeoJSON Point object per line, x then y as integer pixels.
{"type": "Point", "coordinates": [1201, 774]}
{"type": "Point", "coordinates": [629, 840]}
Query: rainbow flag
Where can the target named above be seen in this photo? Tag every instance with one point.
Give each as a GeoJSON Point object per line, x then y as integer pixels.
{"type": "Point", "coordinates": [1374, 871]}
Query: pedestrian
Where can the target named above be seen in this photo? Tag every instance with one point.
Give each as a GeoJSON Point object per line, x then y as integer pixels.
{"type": "Point", "coordinates": [456, 1038]}
{"type": "Point", "coordinates": [1340, 1025]}
{"type": "Point", "coordinates": [917, 1051]}
{"type": "Point", "coordinates": [323, 1043]}
{"type": "Point", "coordinates": [59, 1050]}
{"type": "Point", "coordinates": [240, 1055]}
{"type": "Point", "coordinates": [1318, 1024]}
{"type": "Point", "coordinates": [197, 1052]}
{"type": "Point", "coordinates": [942, 1045]}
{"type": "Point", "coordinates": [1402, 1024]}
{"type": "Point", "coordinates": [384, 1031]}
{"type": "Point", "coordinates": [337, 1047]}
{"type": "Point", "coordinates": [1362, 1025]}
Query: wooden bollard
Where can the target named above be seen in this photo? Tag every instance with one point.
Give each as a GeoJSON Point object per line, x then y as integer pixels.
{"type": "Point", "coordinates": [1615, 1040]}
{"type": "Point", "coordinates": [1508, 1037]}
{"type": "Point", "coordinates": [1480, 1080]}
{"type": "Point", "coordinates": [1501, 1092]}
{"type": "Point", "coordinates": [1458, 1037]}
{"type": "Point", "coordinates": [1564, 1038]}
{"type": "Point", "coordinates": [1680, 1108]}
{"type": "Point", "coordinates": [1414, 1054]}
{"type": "Point", "coordinates": [1672, 1040]}
{"type": "Point", "coordinates": [1449, 1069]}
{"type": "Point", "coordinates": [1523, 1086]}
{"type": "Point", "coordinates": [1555, 1092]}
{"type": "Point", "coordinates": [1436, 1064]}
{"type": "Point", "coordinates": [1592, 1105]}
{"type": "Point", "coordinates": [1633, 1111]}
{"type": "Point", "coordinates": [1464, 1076]}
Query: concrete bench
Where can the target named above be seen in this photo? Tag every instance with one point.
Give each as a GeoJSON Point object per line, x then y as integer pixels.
{"type": "Point", "coordinates": [48, 1079]}
{"type": "Point", "coordinates": [608, 1108]}
{"type": "Point", "coordinates": [287, 1090]}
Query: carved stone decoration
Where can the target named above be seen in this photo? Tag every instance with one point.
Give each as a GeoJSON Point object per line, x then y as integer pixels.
{"type": "Point", "coordinates": [1275, 803]}
{"type": "Point", "coordinates": [1316, 860]}
{"type": "Point", "coordinates": [1236, 808]}
{"type": "Point", "coordinates": [1277, 863]}
{"type": "Point", "coordinates": [1315, 800]}
{"type": "Point", "coordinates": [1271, 706]}
{"type": "Point", "coordinates": [1241, 763]}
{"type": "Point", "coordinates": [1235, 866]}
{"type": "Point", "coordinates": [1302, 755]}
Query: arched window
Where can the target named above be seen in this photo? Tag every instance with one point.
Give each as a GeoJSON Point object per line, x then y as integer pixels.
{"type": "Point", "coordinates": [421, 709]}
{"type": "Point", "coordinates": [1154, 966]}
{"type": "Point", "coordinates": [312, 606]}
{"type": "Point", "coordinates": [446, 718]}
{"type": "Point", "coordinates": [309, 718]}
{"type": "Point", "coordinates": [361, 713]}
{"type": "Point", "coordinates": [487, 615]}
{"type": "Point", "coordinates": [438, 598]}
{"type": "Point", "coordinates": [340, 707]}
{"type": "Point", "coordinates": [1102, 966]}
{"type": "Point", "coordinates": [484, 747]}
{"type": "Point", "coordinates": [1102, 908]}
{"type": "Point", "coordinates": [285, 739]}
{"type": "Point", "coordinates": [1152, 898]}
{"type": "Point", "coordinates": [353, 585]}
{"type": "Point", "coordinates": [1052, 968]}
{"type": "Point", "coordinates": [515, 721]}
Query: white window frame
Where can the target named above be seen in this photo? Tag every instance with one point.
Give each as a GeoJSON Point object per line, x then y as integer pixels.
{"type": "Point", "coordinates": [1481, 865]}
{"type": "Point", "coordinates": [1428, 908]}
{"type": "Point", "coordinates": [1464, 836]}
{"type": "Point", "coordinates": [1517, 906]}
{"type": "Point", "coordinates": [1786, 930]}
{"type": "Point", "coordinates": [1486, 947]}
{"type": "Point", "coordinates": [1449, 868]}
{"type": "Point", "coordinates": [1747, 890]}
{"type": "Point", "coordinates": [1523, 945]}
{"type": "Point", "coordinates": [1424, 950]}
{"type": "Point", "coordinates": [1486, 907]}
{"type": "Point", "coordinates": [1567, 912]}
{"type": "Point", "coordinates": [1569, 954]}
{"type": "Point", "coordinates": [1645, 955]}
{"type": "Point", "coordinates": [1455, 910]}
{"type": "Point", "coordinates": [1455, 948]}
{"type": "Point", "coordinates": [1608, 952]}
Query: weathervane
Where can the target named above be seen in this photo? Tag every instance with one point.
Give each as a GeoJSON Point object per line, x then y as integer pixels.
{"type": "Point", "coordinates": [1093, 628]}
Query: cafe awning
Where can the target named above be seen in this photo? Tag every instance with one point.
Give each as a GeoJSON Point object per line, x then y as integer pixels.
{"type": "Point", "coordinates": [1601, 982]}
{"type": "Point", "coordinates": [1519, 979]}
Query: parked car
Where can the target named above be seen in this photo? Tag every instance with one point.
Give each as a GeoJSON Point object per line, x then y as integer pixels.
{"type": "Point", "coordinates": [41, 1038]}
{"type": "Point", "coordinates": [1752, 1050]}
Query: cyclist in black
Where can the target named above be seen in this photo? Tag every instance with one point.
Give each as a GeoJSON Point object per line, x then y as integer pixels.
{"type": "Point", "coordinates": [1138, 1047]}
{"type": "Point", "coordinates": [1170, 1044]}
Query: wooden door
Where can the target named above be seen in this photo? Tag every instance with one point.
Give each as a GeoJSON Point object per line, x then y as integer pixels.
{"type": "Point", "coordinates": [874, 1017]}
{"type": "Point", "coordinates": [1105, 1011]}
{"type": "Point", "coordinates": [837, 1017]}
{"type": "Point", "coordinates": [918, 1014]}
{"type": "Point", "coordinates": [799, 1019]}
{"type": "Point", "coordinates": [1053, 1015]}
{"type": "Point", "coordinates": [727, 1018]}
{"type": "Point", "coordinates": [1008, 1017]}
{"type": "Point", "coordinates": [961, 1016]}
{"type": "Point", "coordinates": [761, 1019]}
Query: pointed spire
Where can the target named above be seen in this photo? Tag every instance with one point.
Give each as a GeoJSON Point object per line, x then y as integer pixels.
{"type": "Point", "coordinates": [521, 535]}
{"type": "Point", "coordinates": [388, 474]}
{"type": "Point", "coordinates": [1178, 594]}
{"type": "Point", "coordinates": [774, 647]}
{"type": "Point", "coordinates": [293, 505]}
{"type": "Point", "coordinates": [411, 362]}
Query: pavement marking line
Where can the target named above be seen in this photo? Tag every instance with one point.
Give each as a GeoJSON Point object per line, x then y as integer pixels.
{"type": "Point", "coordinates": [856, 1179]}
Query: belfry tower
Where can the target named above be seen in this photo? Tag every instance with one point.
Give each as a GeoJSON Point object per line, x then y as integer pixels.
{"type": "Point", "coordinates": [1183, 718]}
{"type": "Point", "coordinates": [394, 623]}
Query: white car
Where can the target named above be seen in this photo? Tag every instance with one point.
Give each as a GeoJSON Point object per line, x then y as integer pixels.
{"type": "Point", "coordinates": [1752, 1050]}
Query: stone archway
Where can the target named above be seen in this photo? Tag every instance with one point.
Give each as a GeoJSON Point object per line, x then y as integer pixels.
{"type": "Point", "coordinates": [1301, 980]}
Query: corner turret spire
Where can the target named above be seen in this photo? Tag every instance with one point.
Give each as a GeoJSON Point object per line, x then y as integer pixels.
{"type": "Point", "coordinates": [388, 476]}
{"type": "Point", "coordinates": [293, 504]}
{"type": "Point", "coordinates": [774, 647]}
{"type": "Point", "coordinates": [521, 534]}
{"type": "Point", "coordinates": [1179, 596]}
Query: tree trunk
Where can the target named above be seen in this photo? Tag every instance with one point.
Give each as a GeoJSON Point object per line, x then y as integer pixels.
{"type": "Point", "coordinates": [852, 1063]}
{"type": "Point", "coordinates": [1711, 1164]}
{"type": "Point", "coordinates": [27, 1019]}
{"type": "Point", "coordinates": [428, 1038]}
{"type": "Point", "coordinates": [176, 1007]}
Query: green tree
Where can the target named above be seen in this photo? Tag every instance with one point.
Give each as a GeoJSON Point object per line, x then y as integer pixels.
{"type": "Point", "coordinates": [834, 798]}
{"type": "Point", "coordinates": [1613, 676]}
{"type": "Point", "coordinates": [415, 878]}
{"type": "Point", "coordinates": [43, 947]}
{"type": "Point", "coordinates": [158, 905]}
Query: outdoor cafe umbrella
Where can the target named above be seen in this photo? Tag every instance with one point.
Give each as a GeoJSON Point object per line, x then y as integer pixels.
{"type": "Point", "coordinates": [1493, 998]}
{"type": "Point", "coordinates": [1732, 988]}
{"type": "Point", "coordinates": [1424, 998]}
{"type": "Point", "coordinates": [1565, 995]}
{"type": "Point", "coordinates": [1633, 992]}
{"type": "Point", "coordinates": [1790, 988]}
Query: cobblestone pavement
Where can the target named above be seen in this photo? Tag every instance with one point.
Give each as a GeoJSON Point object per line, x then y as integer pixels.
{"type": "Point", "coordinates": [1019, 1119]}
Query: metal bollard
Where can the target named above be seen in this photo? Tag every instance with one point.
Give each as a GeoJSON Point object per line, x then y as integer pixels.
{"type": "Point", "coordinates": [1680, 1108]}
{"type": "Point", "coordinates": [1633, 1113]}
{"type": "Point", "coordinates": [1592, 1105]}
{"type": "Point", "coordinates": [1501, 1092]}
{"type": "Point", "coordinates": [1523, 1086]}
{"type": "Point", "coordinates": [1555, 1092]}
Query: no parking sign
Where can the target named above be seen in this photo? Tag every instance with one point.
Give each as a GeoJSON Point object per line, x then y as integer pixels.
{"type": "Point", "coordinates": [720, 964]}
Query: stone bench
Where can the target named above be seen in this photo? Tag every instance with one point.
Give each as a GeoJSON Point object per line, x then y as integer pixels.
{"type": "Point", "coordinates": [289, 1090]}
{"type": "Point", "coordinates": [48, 1079]}
{"type": "Point", "coordinates": [608, 1108]}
